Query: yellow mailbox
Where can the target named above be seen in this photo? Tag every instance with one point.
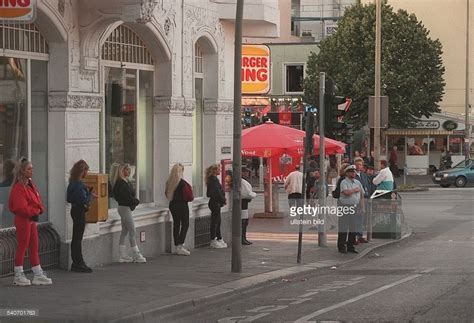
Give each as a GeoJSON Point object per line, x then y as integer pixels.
{"type": "Point", "coordinates": [99, 208]}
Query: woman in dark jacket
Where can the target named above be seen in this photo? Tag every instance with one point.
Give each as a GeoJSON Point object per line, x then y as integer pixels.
{"type": "Point", "coordinates": [80, 197]}
{"type": "Point", "coordinates": [216, 201]}
{"type": "Point", "coordinates": [125, 197]}
{"type": "Point", "coordinates": [179, 193]}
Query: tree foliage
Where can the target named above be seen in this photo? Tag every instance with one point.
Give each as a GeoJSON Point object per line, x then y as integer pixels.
{"type": "Point", "coordinates": [412, 67]}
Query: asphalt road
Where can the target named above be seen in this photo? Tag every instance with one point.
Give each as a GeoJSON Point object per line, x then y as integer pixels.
{"type": "Point", "coordinates": [427, 277]}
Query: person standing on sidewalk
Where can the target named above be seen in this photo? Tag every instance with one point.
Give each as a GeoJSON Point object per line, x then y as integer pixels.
{"type": "Point", "coordinates": [216, 201]}
{"type": "Point", "coordinates": [393, 161]}
{"type": "Point", "coordinates": [247, 194]}
{"type": "Point", "coordinates": [179, 193]}
{"type": "Point", "coordinates": [125, 197]}
{"type": "Point", "coordinates": [80, 198]}
{"type": "Point", "coordinates": [371, 175]}
{"type": "Point", "coordinates": [294, 187]}
{"type": "Point", "coordinates": [25, 203]}
{"type": "Point", "coordinates": [369, 160]}
{"type": "Point", "coordinates": [352, 196]}
{"type": "Point", "coordinates": [384, 179]}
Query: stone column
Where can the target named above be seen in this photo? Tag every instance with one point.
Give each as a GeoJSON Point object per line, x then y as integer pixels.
{"type": "Point", "coordinates": [74, 134]}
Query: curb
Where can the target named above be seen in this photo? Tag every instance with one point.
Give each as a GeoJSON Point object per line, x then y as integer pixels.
{"type": "Point", "coordinates": [192, 299]}
{"type": "Point", "coordinates": [415, 189]}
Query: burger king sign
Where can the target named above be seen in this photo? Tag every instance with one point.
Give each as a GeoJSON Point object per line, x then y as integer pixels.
{"type": "Point", "coordinates": [255, 69]}
{"type": "Point", "coordinates": [18, 10]}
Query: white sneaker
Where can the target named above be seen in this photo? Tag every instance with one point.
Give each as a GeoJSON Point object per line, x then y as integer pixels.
{"type": "Point", "coordinates": [42, 279]}
{"type": "Point", "coordinates": [181, 251]}
{"type": "Point", "coordinates": [222, 243]}
{"type": "Point", "coordinates": [138, 257]}
{"type": "Point", "coordinates": [21, 280]}
{"type": "Point", "coordinates": [125, 258]}
{"type": "Point", "coordinates": [215, 244]}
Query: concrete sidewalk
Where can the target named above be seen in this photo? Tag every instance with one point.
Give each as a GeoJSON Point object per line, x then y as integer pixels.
{"type": "Point", "coordinates": [138, 292]}
{"type": "Point", "coordinates": [129, 290]}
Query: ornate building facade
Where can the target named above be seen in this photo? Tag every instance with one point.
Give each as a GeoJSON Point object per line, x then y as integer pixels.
{"type": "Point", "coordinates": [145, 82]}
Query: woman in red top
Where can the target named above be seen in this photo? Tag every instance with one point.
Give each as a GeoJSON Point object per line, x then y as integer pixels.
{"type": "Point", "coordinates": [25, 203]}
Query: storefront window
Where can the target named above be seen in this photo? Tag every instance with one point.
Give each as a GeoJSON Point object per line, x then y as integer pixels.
{"type": "Point", "coordinates": [455, 144]}
{"type": "Point", "coordinates": [23, 97]}
{"type": "Point", "coordinates": [197, 139]}
{"type": "Point", "coordinates": [128, 114]}
{"type": "Point", "coordinates": [145, 136]}
{"type": "Point", "coordinates": [39, 129]}
{"type": "Point", "coordinates": [128, 130]}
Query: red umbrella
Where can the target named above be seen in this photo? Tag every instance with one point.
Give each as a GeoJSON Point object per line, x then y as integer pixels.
{"type": "Point", "coordinates": [269, 139]}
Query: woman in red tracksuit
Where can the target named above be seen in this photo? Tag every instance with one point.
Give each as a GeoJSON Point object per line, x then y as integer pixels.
{"type": "Point", "coordinates": [25, 203]}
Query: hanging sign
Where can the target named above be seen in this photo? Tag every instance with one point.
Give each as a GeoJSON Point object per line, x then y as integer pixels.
{"type": "Point", "coordinates": [255, 69]}
{"type": "Point", "coordinates": [450, 125]}
{"type": "Point", "coordinates": [427, 124]}
{"type": "Point", "coordinates": [18, 10]}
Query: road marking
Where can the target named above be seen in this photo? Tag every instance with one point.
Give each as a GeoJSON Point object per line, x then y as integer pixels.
{"type": "Point", "coordinates": [310, 293]}
{"type": "Point", "coordinates": [358, 298]}
{"type": "Point", "coordinates": [267, 308]}
{"type": "Point", "coordinates": [296, 300]}
{"type": "Point", "coordinates": [242, 319]}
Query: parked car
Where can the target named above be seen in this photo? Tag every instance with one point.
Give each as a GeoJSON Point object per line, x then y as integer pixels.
{"type": "Point", "coordinates": [459, 175]}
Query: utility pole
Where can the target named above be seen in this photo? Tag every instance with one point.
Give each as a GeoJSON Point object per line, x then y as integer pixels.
{"type": "Point", "coordinates": [378, 52]}
{"type": "Point", "coordinates": [322, 156]}
{"type": "Point", "coordinates": [237, 144]}
{"type": "Point", "coordinates": [467, 123]}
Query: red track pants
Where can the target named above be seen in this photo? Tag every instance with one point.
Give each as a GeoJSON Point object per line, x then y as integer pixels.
{"type": "Point", "coordinates": [27, 237]}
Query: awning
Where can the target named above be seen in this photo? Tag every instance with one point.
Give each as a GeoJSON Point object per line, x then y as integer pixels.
{"type": "Point", "coordinates": [417, 132]}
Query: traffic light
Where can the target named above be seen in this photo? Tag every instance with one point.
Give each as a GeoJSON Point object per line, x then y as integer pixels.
{"type": "Point", "coordinates": [332, 114]}
{"type": "Point", "coordinates": [247, 117]}
{"type": "Point", "coordinates": [334, 126]}
{"type": "Point", "coordinates": [308, 110]}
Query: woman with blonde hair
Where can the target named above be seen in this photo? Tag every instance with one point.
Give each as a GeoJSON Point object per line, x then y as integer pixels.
{"type": "Point", "coordinates": [179, 193]}
{"type": "Point", "coordinates": [125, 197]}
{"type": "Point", "coordinates": [25, 203]}
{"type": "Point", "coordinates": [80, 198]}
{"type": "Point", "coordinates": [216, 201]}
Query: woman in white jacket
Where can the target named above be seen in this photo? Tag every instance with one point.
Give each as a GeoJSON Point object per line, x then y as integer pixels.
{"type": "Point", "coordinates": [247, 195]}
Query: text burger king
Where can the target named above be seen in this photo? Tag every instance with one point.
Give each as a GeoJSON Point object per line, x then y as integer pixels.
{"type": "Point", "coordinates": [18, 10]}
{"type": "Point", "coordinates": [255, 69]}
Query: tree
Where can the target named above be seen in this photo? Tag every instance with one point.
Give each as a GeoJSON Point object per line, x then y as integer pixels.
{"type": "Point", "coordinates": [412, 67]}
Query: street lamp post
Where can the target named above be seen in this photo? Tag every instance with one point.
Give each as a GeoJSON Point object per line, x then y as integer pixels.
{"type": "Point", "coordinates": [378, 49]}
{"type": "Point", "coordinates": [467, 124]}
{"type": "Point", "coordinates": [237, 143]}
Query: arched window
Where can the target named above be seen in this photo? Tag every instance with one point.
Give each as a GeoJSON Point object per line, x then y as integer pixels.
{"type": "Point", "coordinates": [128, 115]}
{"type": "Point", "coordinates": [124, 45]}
{"type": "Point", "coordinates": [23, 108]}
{"type": "Point", "coordinates": [22, 37]}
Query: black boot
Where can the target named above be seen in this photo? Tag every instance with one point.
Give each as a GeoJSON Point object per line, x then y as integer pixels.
{"type": "Point", "coordinates": [245, 223]}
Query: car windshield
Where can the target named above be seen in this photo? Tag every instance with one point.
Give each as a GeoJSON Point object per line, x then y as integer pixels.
{"type": "Point", "coordinates": [464, 164]}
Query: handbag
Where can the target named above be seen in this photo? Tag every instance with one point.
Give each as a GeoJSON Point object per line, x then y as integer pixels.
{"type": "Point", "coordinates": [187, 192]}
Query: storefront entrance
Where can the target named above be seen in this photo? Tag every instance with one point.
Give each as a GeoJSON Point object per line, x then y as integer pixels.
{"type": "Point", "coordinates": [23, 109]}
